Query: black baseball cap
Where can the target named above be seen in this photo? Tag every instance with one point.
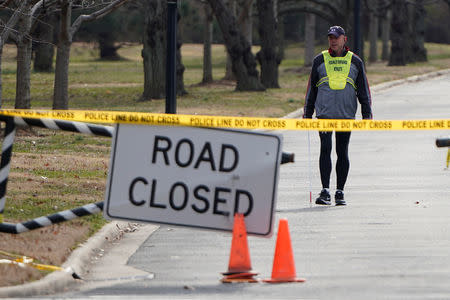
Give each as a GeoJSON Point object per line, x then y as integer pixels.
{"type": "Point", "coordinates": [336, 31]}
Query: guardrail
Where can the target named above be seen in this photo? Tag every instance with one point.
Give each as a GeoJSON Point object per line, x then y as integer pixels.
{"type": "Point", "coordinates": [66, 215]}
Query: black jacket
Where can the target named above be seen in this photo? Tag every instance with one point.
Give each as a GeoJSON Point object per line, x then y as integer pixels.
{"type": "Point", "coordinates": [337, 104]}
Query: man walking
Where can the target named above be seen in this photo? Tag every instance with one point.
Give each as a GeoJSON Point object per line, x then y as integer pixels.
{"type": "Point", "coordinates": [337, 81]}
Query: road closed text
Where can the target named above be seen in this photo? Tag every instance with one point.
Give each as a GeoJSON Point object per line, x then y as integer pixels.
{"type": "Point", "coordinates": [200, 199]}
{"type": "Point", "coordinates": [180, 195]}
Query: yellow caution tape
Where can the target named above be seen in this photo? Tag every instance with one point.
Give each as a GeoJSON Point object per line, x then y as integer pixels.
{"type": "Point", "coordinates": [29, 261]}
{"type": "Point", "coordinates": [23, 261]}
{"type": "Point", "coordinates": [11, 262]}
{"type": "Point", "coordinates": [31, 264]}
{"type": "Point", "coordinates": [228, 121]}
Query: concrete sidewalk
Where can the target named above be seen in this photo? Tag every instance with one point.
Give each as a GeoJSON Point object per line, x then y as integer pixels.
{"type": "Point", "coordinates": [391, 242]}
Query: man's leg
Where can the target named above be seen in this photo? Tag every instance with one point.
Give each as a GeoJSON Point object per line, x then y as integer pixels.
{"type": "Point", "coordinates": [325, 167]}
{"type": "Point", "coordinates": [342, 165]}
{"type": "Point", "coordinates": [343, 162]}
{"type": "Point", "coordinates": [325, 158]}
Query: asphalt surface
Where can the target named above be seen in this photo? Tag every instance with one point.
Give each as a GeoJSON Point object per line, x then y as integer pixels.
{"type": "Point", "coordinates": [392, 240]}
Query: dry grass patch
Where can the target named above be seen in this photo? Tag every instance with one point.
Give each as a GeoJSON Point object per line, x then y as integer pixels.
{"type": "Point", "coordinates": [50, 245]}
{"type": "Point", "coordinates": [52, 171]}
{"type": "Point", "coordinates": [17, 275]}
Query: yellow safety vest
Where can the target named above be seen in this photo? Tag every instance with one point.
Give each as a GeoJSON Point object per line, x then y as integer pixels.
{"type": "Point", "coordinates": [337, 69]}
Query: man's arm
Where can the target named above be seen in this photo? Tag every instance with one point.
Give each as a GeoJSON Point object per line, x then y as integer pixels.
{"type": "Point", "coordinates": [311, 92]}
{"type": "Point", "coordinates": [362, 89]}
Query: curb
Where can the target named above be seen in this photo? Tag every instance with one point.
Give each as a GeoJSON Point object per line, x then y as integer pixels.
{"type": "Point", "coordinates": [79, 260]}
{"type": "Point", "coordinates": [386, 85]}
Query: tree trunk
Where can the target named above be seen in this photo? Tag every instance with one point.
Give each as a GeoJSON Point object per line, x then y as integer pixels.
{"type": "Point", "coordinates": [267, 56]}
{"type": "Point", "coordinates": [399, 33]}
{"type": "Point", "coordinates": [231, 4]}
{"type": "Point", "coordinates": [1, 77]}
{"type": "Point", "coordinates": [108, 51]}
{"type": "Point", "coordinates": [385, 26]}
{"type": "Point", "coordinates": [418, 34]}
{"type": "Point", "coordinates": [373, 37]}
{"type": "Point", "coordinates": [23, 95]}
{"type": "Point", "coordinates": [243, 61]}
{"type": "Point", "coordinates": [207, 42]}
{"type": "Point", "coordinates": [154, 51]}
{"type": "Point", "coordinates": [245, 21]}
{"type": "Point", "coordinates": [229, 68]}
{"type": "Point", "coordinates": [310, 38]}
{"type": "Point", "coordinates": [23, 98]}
{"type": "Point", "coordinates": [410, 26]}
{"type": "Point", "coordinates": [61, 88]}
{"type": "Point", "coordinates": [44, 51]}
{"type": "Point", "coordinates": [180, 67]}
{"type": "Point", "coordinates": [246, 26]}
{"type": "Point", "coordinates": [5, 31]}
{"type": "Point", "coordinates": [281, 44]}
{"type": "Point", "coordinates": [66, 32]}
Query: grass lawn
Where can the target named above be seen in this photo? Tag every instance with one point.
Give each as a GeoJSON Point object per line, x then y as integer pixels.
{"type": "Point", "coordinates": [52, 170]}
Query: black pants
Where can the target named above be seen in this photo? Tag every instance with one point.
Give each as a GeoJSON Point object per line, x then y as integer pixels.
{"type": "Point", "coordinates": [342, 164]}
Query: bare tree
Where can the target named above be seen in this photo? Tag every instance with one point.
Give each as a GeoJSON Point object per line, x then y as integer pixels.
{"type": "Point", "coordinates": [310, 37]}
{"type": "Point", "coordinates": [154, 50]}
{"type": "Point", "coordinates": [7, 27]}
{"type": "Point", "coordinates": [379, 11]}
{"type": "Point", "coordinates": [373, 37]}
{"type": "Point", "coordinates": [242, 11]}
{"type": "Point", "coordinates": [66, 32]}
{"type": "Point", "coordinates": [43, 43]}
{"type": "Point", "coordinates": [385, 33]}
{"type": "Point", "coordinates": [268, 56]}
{"type": "Point", "coordinates": [23, 40]}
{"type": "Point", "coordinates": [207, 41]}
{"type": "Point", "coordinates": [336, 12]}
{"type": "Point", "coordinates": [328, 10]}
{"type": "Point", "coordinates": [239, 49]}
{"type": "Point", "coordinates": [418, 32]}
{"type": "Point", "coordinates": [245, 21]}
{"type": "Point", "coordinates": [408, 32]}
{"type": "Point", "coordinates": [399, 33]}
{"type": "Point", "coordinates": [231, 5]}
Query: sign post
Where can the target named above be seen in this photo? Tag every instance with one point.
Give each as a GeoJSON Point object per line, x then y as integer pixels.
{"type": "Point", "coordinates": [196, 177]}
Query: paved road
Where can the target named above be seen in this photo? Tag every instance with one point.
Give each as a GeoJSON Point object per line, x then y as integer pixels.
{"type": "Point", "coordinates": [391, 242]}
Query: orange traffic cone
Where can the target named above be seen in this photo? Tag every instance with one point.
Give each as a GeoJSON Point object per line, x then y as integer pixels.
{"type": "Point", "coordinates": [239, 266]}
{"type": "Point", "coordinates": [283, 263]}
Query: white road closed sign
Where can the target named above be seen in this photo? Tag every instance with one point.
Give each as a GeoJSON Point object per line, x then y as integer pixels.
{"type": "Point", "coordinates": [195, 177]}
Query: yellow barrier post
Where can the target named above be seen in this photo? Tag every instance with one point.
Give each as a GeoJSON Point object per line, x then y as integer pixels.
{"type": "Point", "coordinates": [448, 157]}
